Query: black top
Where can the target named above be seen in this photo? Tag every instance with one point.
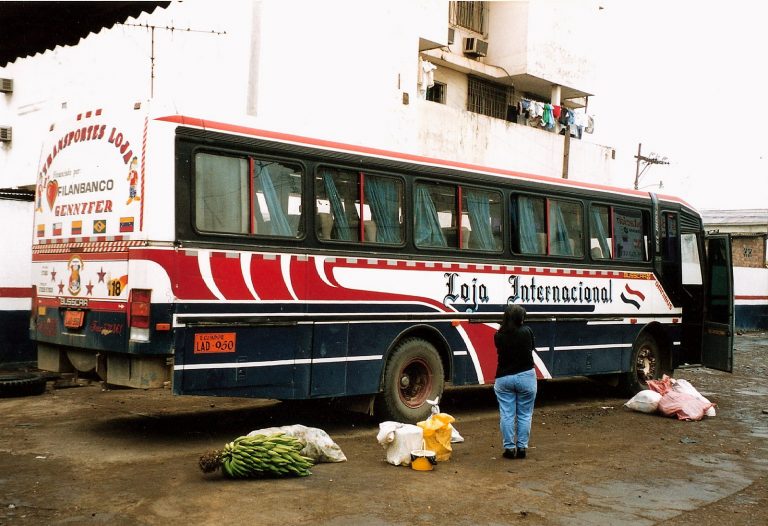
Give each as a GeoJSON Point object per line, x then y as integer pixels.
{"type": "Point", "coordinates": [514, 349]}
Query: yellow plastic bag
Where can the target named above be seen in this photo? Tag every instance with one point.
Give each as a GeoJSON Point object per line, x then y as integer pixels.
{"type": "Point", "coordinates": [437, 435]}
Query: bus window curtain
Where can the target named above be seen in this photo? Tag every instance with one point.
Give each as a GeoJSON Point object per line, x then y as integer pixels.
{"type": "Point", "coordinates": [427, 229]}
{"type": "Point", "coordinates": [559, 231]}
{"type": "Point", "coordinates": [598, 230]}
{"type": "Point", "coordinates": [340, 222]}
{"type": "Point", "coordinates": [529, 241]}
{"type": "Point", "coordinates": [277, 219]}
{"type": "Point", "coordinates": [479, 210]}
{"type": "Point", "coordinates": [381, 195]}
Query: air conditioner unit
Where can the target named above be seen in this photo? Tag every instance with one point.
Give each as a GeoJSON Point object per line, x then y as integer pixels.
{"type": "Point", "coordinates": [6, 85]}
{"type": "Point", "coordinates": [475, 47]}
{"type": "Point", "coordinates": [5, 134]}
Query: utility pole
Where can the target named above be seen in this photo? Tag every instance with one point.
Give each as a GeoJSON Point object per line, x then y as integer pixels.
{"type": "Point", "coordinates": [566, 150]}
{"type": "Point", "coordinates": [648, 161]}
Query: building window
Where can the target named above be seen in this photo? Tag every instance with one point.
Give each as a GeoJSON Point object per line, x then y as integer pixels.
{"type": "Point", "coordinates": [469, 15]}
{"type": "Point", "coordinates": [488, 98]}
{"type": "Point", "coordinates": [437, 93]}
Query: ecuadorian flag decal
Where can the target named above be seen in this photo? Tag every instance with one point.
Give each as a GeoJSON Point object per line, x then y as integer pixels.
{"type": "Point", "coordinates": [126, 224]}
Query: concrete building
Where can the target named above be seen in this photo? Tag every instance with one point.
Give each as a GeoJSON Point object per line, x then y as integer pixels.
{"type": "Point", "coordinates": [433, 78]}
{"type": "Point", "coordinates": [749, 246]}
{"type": "Point", "coordinates": [359, 76]}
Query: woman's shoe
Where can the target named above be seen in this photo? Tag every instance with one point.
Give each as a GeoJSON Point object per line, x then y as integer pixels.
{"type": "Point", "coordinates": [520, 452]}
{"type": "Point", "coordinates": [508, 453]}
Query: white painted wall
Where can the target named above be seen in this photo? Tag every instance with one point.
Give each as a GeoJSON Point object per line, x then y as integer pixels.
{"type": "Point", "coordinates": [15, 251]}
{"type": "Point", "coordinates": [508, 30]}
{"type": "Point", "coordinates": [749, 281]}
{"type": "Point", "coordinates": [336, 70]}
{"type": "Point", "coordinates": [549, 39]}
{"type": "Point", "coordinates": [453, 133]}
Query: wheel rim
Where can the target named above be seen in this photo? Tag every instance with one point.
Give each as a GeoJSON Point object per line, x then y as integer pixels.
{"type": "Point", "coordinates": [646, 364]}
{"type": "Point", "coordinates": [415, 383]}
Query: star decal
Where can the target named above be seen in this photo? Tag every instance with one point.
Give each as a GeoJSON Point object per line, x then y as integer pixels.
{"type": "Point", "coordinates": [89, 287]}
{"type": "Point", "coordinates": [53, 275]}
{"type": "Point", "coordinates": [101, 274]}
{"type": "Point", "coordinates": [61, 287]}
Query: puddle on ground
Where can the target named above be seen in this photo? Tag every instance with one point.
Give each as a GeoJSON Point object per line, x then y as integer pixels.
{"type": "Point", "coordinates": [638, 503]}
{"type": "Point", "coordinates": [754, 391]}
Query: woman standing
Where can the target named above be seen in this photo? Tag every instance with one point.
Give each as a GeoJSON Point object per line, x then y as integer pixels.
{"type": "Point", "coordinates": [515, 384]}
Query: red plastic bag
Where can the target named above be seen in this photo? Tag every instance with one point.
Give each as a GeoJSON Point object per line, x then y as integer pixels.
{"type": "Point", "coordinates": [662, 386]}
{"type": "Point", "coordinates": [683, 405]}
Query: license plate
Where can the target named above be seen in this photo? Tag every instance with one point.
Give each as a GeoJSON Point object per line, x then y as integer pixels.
{"type": "Point", "coordinates": [73, 319]}
{"type": "Point", "coordinates": [213, 342]}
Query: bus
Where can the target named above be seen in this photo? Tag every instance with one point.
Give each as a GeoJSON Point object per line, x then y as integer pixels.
{"type": "Point", "coordinates": [219, 259]}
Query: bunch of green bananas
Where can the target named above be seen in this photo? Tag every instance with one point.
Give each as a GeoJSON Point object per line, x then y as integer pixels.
{"type": "Point", "coordinates": [260, 455]}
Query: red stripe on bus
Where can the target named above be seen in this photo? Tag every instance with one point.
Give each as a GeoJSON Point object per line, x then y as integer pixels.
{"type": "Point", "coordinates": [95, 305]}
{"type": "Point", "coordinates": [85, 256]}
{"type": "Point", "coordinates": [751, 297]}
{"type": "Point", "coordinates": [286, 137]}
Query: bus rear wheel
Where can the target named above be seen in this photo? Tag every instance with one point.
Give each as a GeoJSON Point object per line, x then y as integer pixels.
{"type": "Point", "coordinates": [646, 364]}
{"type": "Point", "coordinates": [413, 374]}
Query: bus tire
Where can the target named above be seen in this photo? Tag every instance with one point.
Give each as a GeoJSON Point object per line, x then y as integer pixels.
{"type": "Point", "coordinates": [413, 374]}
{"type": "Point", "coordinates": [21, 384]}
{"type": "Point", "coordinates": [645, 364]}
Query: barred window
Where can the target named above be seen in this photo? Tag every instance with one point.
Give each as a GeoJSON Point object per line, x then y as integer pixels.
{"type": "Point", "coordinates": [488, 98]}
{"type": "Point", "coordinates": [469, 15]}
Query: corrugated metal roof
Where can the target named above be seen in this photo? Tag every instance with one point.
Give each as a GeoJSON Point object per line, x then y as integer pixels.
{"type": "Point", "coordinates": [34, 27]}
{"type": "Point", "coordinates": [16, 194]}
{"type": "Point", "coordinates": [754, 216]}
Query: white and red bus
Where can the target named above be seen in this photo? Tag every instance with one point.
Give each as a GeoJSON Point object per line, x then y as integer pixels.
{"type": "Point", "coordinates": [233, 261]}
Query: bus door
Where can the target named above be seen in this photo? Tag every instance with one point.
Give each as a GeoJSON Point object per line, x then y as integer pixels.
{"type": "Point", "coordinates": [717, 345]}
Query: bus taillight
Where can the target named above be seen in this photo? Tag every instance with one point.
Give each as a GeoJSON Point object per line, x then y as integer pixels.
{"type": "Point", "coordinates": [138, 314]}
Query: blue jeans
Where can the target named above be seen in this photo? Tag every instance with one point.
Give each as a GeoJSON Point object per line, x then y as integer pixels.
{"type": "Point", "coordinates": [516, 394]}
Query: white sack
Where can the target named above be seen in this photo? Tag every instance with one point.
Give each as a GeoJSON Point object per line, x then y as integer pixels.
{"type": "Point", "coordinates": [398, 440]}
{"type": "Point", "coordinates": [646, 401]}
{"type": "Point", "coordinates": [318, 444]}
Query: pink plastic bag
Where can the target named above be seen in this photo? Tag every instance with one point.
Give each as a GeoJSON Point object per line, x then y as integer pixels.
{"type": "Point", "coordinates": [662, 386]}
{"type": "Point", "coordinates": [683, 405]}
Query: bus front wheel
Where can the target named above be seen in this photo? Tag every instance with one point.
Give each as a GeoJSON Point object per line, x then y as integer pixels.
{"type": "Point", "coordinates": [646, 364]}
{"type": "Point", "coordinates": [413, 374]}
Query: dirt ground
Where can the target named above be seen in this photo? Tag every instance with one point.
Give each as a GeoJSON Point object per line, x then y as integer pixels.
{"type": "Point", "coordinates": [87, 455]}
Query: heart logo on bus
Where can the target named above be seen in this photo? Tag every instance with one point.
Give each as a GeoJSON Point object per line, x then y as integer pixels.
{"type": "Point", "coordinates": [51, 191]}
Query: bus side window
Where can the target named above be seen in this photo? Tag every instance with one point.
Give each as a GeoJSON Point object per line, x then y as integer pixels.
{"type": "Point", "coordinates": [277, 195]}
{"type": "Point", "coordinates": [337, 204]}
{"type": "Point", "coordinates": [630, 232]}
{"type": "Point", "coordinates": [669, 233]}
{"type": "Point", "coordinates": [434, 215]}
{"type": "Point", "coordinates": [221, 193]}
{"type": "Point", "coordinates": [481, 220]}
{"type": "Point", "coordinates": [383, 209]}
{"type": "Point", "coordinates": [565, 228]}
{"type": "Point", "coordinates": [691, 262]}
{"type": "Point", "coordinates": [529, 228]}
{"type": "Point", "coordinates": [600, 241]}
